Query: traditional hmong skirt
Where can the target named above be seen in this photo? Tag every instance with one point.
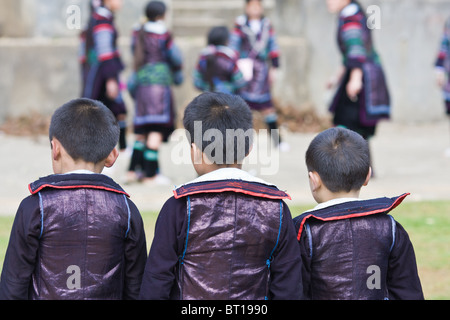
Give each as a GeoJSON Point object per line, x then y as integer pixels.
{"type": "Point", "coordinates": [94, 87]}
{"type": "Point", "coordinates": [373, 102]}
{"type": "Point", "coordinates": [154, 100]}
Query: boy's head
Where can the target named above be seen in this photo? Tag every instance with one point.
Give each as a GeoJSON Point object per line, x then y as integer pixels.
{"type": "Point", "coordinates": [86, 130]}
{"type": "Point", "coordinates": [220, 130]}
{"type": "Point", "coordinates": [155, 10]}
{"type": "Point", "coordinates": [339, 160]}
{"type": "Point", "coordinates": [254, 9]}
{"type": "Point", "coordinates": [218, 36]}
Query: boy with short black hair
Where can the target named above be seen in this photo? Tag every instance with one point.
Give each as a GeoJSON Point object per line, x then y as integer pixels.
{"type": "Point", "coordinates": [78, 236]}
{"type": "Point", "coordinates": [351, 248]}
{"type": "Point", "coordinates": [226, 235]}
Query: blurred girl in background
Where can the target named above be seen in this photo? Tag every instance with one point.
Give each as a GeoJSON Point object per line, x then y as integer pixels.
{"type": "Point", "coordinates": [254, 39]}
{"type": "Point", "coordinates": [443, 70]}
{"type": "Point", "coordinates": [101, 62]}
{"type": "Point", "coordinates": [157, 66]}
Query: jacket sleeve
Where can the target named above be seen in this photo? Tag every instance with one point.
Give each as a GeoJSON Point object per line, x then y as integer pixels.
{"type": "Point", "coordinates": [305, 252]}
{"type": "Point", "coordinates": [175, 59]}
{"type": "Point", "coordinates": [21, 254]}
{"type": "Point", "coordinates": [403, 279]}
{"type": "Point", "coordinates": [135, 254]}
{"type": "Point", "coordinates": [355, 54]}
{"type": "Point", "coordinates": [107, 54]}
{"type": "Point", "coordinates": [444, 50]}
{"type": "Point", "coordinates": [274, 50]}
{"type": "Point", "coordinates": [235, 42]}
{"type": "Point", "coordinates": [159, 278]}
{"type": "Point", "coordinates": [286, 267]}
{"type": "Point", "coordinates": [198, 74]}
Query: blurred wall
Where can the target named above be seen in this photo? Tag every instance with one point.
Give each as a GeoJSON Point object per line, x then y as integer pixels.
{"type": "Point", "coordinates": [407, 43]}
{"type": "Point", "coordinates": [38, 52]}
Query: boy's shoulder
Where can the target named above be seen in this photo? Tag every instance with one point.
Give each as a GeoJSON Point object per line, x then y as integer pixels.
{"type": "Point", "coordinates": [76, 181]}
{"type": "Point", "coordinates": [103, 15]}
{"type": "Point", "coordinates": [348, 210]}
{"type": "Point", "coordinates": [350, 10]}
{"type": "Point", "coordinates": [230, 180]}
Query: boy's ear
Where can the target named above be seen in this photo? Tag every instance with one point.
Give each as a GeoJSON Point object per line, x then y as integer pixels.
{"type": "Point", "coordinates": [56, 149]}
{"type": "Point", "coordinates": [249, 150]}
{"type": "Point", "coordinates": [369, 175]}
{"type": "Point", "coordinates": [196, 154]}
{"type": "Point", "coordinates": [314, 180]}
{"type": "Point", "coordinates": [111, 159]}
{"type": "Point", "coordinates": [198, 157]}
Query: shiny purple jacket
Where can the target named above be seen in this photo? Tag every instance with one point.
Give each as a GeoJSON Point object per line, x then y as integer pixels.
{"type": "Point", "coordinates": [225, 239]}
{"type": "Point", "coordinates": [78, 236]}
{"type": "Point", "coordinates": [356, 251]}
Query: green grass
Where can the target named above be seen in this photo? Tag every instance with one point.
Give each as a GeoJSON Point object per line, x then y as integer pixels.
{"type": "Point", "coordinates": [428, 225]}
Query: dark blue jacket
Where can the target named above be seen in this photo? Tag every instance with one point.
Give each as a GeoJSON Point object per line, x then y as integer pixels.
{"type": "Point", "coordinates": [224, 240]}
{"type": "Point", "coordinates": [78, 236]}
{"type": "Point", "coordinates": [356, 251]}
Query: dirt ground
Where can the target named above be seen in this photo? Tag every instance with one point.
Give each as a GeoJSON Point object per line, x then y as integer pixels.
{"type": "Point", "coordinates": [406, 158]}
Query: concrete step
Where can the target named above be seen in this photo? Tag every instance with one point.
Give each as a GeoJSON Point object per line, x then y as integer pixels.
{"type": "Point", "coordinates": [198, 26]}
{"type": "Point", "coordinates": [196, 17]}
{"type": "Point", "coordinates": [212, 4]}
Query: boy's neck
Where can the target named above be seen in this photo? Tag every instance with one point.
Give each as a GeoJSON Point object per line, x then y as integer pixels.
{"type": "Point", "coordinates": [159, 19]}
{"type": "Point", "coordinates": [65, 164]}
{"type": "Point", "coordinates": [77, 166]}
{"type": "Point", "coordinates": [213, 167]}
{"type": "Point", "coordinates": [328, 195]}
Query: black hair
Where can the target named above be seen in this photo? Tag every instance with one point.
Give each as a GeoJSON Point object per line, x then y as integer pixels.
{"type": "Point", "coordinates": [218, 36]}
{"type": "Point", "coordinates": [231, 121]}
{"type": "Point", "coordinates": [155, 9]}
{"type": "Point", "coordinates": [341, 158]}
{"type": "Point", "coordinates": [87, 129]}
